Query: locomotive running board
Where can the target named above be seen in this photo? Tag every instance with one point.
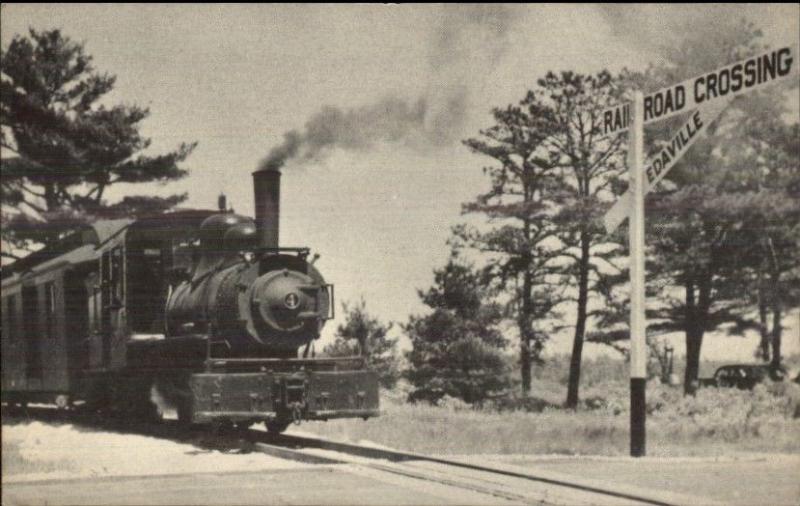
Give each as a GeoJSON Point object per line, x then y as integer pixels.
{"type": "Point", "coordinates": [221, 363]}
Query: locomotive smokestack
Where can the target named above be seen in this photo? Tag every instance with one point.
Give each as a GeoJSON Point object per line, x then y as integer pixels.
{"type": "Point", "coordinates": [267, 189]}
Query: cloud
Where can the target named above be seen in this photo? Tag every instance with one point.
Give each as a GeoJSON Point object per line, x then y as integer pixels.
{"type": "Point", "coordinates": [663, 27]}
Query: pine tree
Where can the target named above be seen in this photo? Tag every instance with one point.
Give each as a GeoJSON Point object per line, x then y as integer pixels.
{"type": "Point", "coordinates": [588, 168]}
{"type": "Point", "coordinates": [764, 155]}
{"type": "Point", "coordinates": [695, 217]}
{"type": "Point", "coordinates": [519, 242]}
{"type": "Point", "coordinates": [363, 334]}
{"type": "Point", "coordinates": [457, 348]}
{"type": "Point", "coordinates": [68, 147]}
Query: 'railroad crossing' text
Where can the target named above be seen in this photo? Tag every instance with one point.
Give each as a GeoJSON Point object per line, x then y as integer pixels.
{"type": "Point", "coordinates": [727, 81]}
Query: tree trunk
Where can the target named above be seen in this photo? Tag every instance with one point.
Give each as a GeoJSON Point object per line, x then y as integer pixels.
{"type": "Point", "coordinates": [525, 365]}
{"type": "Point", "coordinates": [580, 325]}
{"type": "Point", "coordinates": [763, 350]}
{"type": "Point", "coordinates": [525, 333]}
{"type": "Point", "coordinates": [694, 340]}
{"type": "Point", "coordinates": [696, 314]}
{"type": "Point", "coordinates": [50, 196]}
{"type": "Point", "coordinates": [777, 331]}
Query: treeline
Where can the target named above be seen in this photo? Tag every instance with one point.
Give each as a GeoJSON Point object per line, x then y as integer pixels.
{"type": "Point", "coordinates": [531, 258]}
{"type": "Point", "coordinates": [723, 230]}
{"type": "Point", "coordinates": [64, 146]}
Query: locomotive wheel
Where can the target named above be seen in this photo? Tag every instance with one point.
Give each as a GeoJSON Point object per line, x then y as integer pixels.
{"type": "Point", "coordinates": [16, 407]}
{"type": "Point", "coordinates": [134, 403]}
{"type": "Point", "coordinates": [63, 402]}
{"type": "Point", "coordinates": [185, 412]}
{"type": "Point", "coordinates": [146, 411]}
{"type": "Point", "coordinates": [277, 426]}
{"type": "Point", "coordinates": [178, 392]}
{"type": "Point", "coordinates": [220, 427]}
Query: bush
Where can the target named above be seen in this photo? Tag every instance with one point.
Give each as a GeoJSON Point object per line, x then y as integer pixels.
{"type": "Point", "coordinates": [529, 404]}
{"type": "Point", "coordinates": [453, 404]}
{"type": "Point", "coordinates": [364, 334]}
{"type": "Point", "coordinates": [714, 422]}
{"type": "Point", "coordinates": [725, 415]}
{"type": "Point", "coordinates": [456, 350]}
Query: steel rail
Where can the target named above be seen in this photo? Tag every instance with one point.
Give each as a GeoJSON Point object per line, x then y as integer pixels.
{"type": "Point", "coordinates": [623, 492]}
{"type": "Point", "coordinates": [385, 460]}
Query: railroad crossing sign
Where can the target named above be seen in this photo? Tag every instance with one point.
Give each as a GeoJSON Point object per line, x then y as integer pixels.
{"type": "Point", "coordinates": [712, 92]}
{"type": "Point", "coordinates": [660, 164]}
{"type": "Point", "coordinates": [723, 83]}
{"type": "Point", "coordinates": [707, 95]}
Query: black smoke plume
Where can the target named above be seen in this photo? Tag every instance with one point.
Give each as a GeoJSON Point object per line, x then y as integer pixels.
{"type": "Point", "coordinates": [467, 44]}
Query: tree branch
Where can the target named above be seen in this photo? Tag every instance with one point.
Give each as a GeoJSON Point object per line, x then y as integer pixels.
{"type": "Point", "coordinates": [9, 255]}
{"type": "Point", "coordinates": [28, 190]}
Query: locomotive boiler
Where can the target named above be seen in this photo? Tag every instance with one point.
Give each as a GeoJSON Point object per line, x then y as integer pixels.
{"type": "Point", "coordinates": [200, 310]}
{"type": "Point", "coordinates": [269, 305]}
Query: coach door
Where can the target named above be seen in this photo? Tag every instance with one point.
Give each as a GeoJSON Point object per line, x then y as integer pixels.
{"type": "Point", "coordinates": [112, 292]}
{"type": "Point", "coordinates": [14, 344]}
{"type": "Point", "coordinates": [33, 336]}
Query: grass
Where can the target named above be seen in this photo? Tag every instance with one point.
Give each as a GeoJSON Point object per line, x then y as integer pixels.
{"type": "Point", "coordinates": [437, 430]}
{"type": "Point", "coordinates": [715, 422]}
{"type": "Point", "coordinates": [430, 429]}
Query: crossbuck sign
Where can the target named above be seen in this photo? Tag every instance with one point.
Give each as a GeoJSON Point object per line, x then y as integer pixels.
{"type": "Point", "coordinates": [706, 95]}
{"type": "Point", "coordinates": [709, 94]}
{"type": "Point", "coordinates": [724, 83]}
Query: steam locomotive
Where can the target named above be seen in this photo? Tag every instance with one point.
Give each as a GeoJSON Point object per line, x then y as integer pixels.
{"type": "Point", "coordinates": [197, 310]}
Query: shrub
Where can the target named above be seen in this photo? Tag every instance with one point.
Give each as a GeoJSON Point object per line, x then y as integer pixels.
{"type": "Point", "coordinates": [457, 348]}
{"type": "Point", "coordinates": [362, 333]}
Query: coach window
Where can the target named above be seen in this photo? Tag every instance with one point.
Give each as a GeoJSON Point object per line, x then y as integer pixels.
{"type": "Point", "coordinates": [11, 317]}
{"type": "Point", "coordinates": [116, 275]}
{"type": "Point", "coordinates": [111, 280]}
{"type": "Point", "coordinates": [32, 329]}
{"type": "Point", "coordinates": [146, 286]}
{"type": "Point", "coordinates": [93, 302]}
{"type": "Point", "coordinates": [50, 307]}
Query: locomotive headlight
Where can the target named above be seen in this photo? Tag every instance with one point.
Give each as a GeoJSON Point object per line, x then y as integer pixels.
{"type": "Point", "coordinates": [291, 301]}
{"type": "Point", "coordinates": [281, 301]}
{"type": "Point", "coordinates": [285, 308]}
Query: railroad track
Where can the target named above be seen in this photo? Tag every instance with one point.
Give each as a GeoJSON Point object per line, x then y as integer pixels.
{"type": "Point", "coordinates": [497, 483]}
{"type": "Point", "coordinates": [515, 484]}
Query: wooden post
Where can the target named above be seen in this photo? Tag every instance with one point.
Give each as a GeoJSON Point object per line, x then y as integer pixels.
{"type": "Point", "coordinates": [636, 240]}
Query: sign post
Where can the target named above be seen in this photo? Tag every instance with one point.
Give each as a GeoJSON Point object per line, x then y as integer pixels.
{"type": "Point", "coordinates": [707, 95]}
{"type": "Point", "coordinates": [638, 323]}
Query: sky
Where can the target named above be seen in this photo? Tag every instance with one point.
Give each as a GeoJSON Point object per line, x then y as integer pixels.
{"type": "Point", "coordinates": [366, 104]}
